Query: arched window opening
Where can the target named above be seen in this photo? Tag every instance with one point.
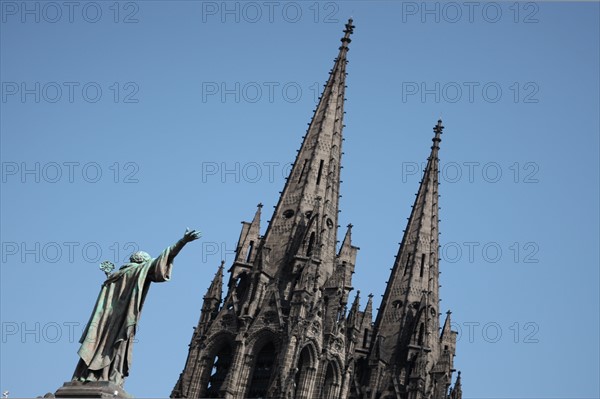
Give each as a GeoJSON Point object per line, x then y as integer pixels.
{"type": "Point", "coordinates": [311, 244]}
{"type": "Point", "coordinates": [220, 368]}
{"type": "Point", "coordinates": [366, 338]}
{"type": "Point", "coordinates": [304, 375]}
{"type": "Point", "coordinates": [421, 333]}
{"type": "Point", "coordinates": [250, 248]}
{"type": "Point", "coordinates": [422, 265]}
{"type": "Point", "coordinates": [242, 284]}
{"type": "Point", "coordinates": [360, 370]}
{"type": "Point", "coordinates": [262, 371]}
{"type": "Point", "coordinates": [328, 389]}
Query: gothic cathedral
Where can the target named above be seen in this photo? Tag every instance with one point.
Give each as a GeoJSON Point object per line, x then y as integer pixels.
{"type": "Point", "coordinates": [284, 330]}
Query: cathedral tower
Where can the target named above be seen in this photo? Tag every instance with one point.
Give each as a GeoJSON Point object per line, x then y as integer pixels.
{"type": "Point", "coordinates": [285, 329]}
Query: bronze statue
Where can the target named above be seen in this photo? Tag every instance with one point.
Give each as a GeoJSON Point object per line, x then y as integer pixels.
{"type": "Point", "coordinates": [107, 341]}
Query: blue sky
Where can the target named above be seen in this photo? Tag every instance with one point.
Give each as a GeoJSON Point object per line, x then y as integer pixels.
{"type": "Point", "coordinates": [123, 124]}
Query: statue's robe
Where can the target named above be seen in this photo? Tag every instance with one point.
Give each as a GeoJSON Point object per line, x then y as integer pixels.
{"type": "Point", "coordinates": [107, 341]}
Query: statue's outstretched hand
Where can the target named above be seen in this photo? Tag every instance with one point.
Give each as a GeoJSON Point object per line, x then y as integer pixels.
{"type": "Point", "coordinates": [191, 235]}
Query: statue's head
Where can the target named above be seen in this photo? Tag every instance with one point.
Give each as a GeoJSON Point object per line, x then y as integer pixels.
{"type": "Point", "coordinates": [139, 257]}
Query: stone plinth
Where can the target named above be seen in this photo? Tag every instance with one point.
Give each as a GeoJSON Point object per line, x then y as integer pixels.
{"type": "Point", "coordinates": [91, 389]}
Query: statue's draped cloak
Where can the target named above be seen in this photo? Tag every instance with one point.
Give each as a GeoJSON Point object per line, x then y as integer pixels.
{"type": "Point", "coordinates": [107, 341]}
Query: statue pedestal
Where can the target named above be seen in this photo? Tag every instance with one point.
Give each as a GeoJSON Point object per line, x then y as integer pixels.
{"type": "Point", "coordinates": [91, 389]}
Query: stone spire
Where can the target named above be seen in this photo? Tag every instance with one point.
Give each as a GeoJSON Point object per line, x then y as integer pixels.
{"type": "Point", "coordinates": [354, 313]}
{"type": "Point", "coordinates": [447, 329]}
{"type": "Point", "coordinates": [456, 391]}
{"type": "Point", "coordinates": [215, 291]}
{"type": "Point", "coordinates": [249, 239]}
{"type": "Point", "coordinates": [406, 344]}
{"type": "Point", "coordinates": [305, 219]}
{"type": "Point", "coordinates": [368, 312]}
{"type": "Point", "coordinates": [212, 300]}
{"type": "Point", "coordinates": [366, 323]}
{"type": "Point", "coordinates": [347, 252]}
{"type": "Point", "coordinates": [414, 277]}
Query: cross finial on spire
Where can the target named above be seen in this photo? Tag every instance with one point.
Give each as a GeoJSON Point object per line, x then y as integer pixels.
{"type": "Point", "coordinates": [347, 32]}
{"type": "Point", "coordinates": [260, 205]}
{"type": "Point", "coordinates": [350, 225]}
{"type": "Point", "coordinates": [349, 27]}
{"type": "Point", "coordinates": [438, 130]}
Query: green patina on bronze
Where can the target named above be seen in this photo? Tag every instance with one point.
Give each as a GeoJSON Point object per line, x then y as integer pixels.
{"type": "Point", "coordinates": [107, 341]}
